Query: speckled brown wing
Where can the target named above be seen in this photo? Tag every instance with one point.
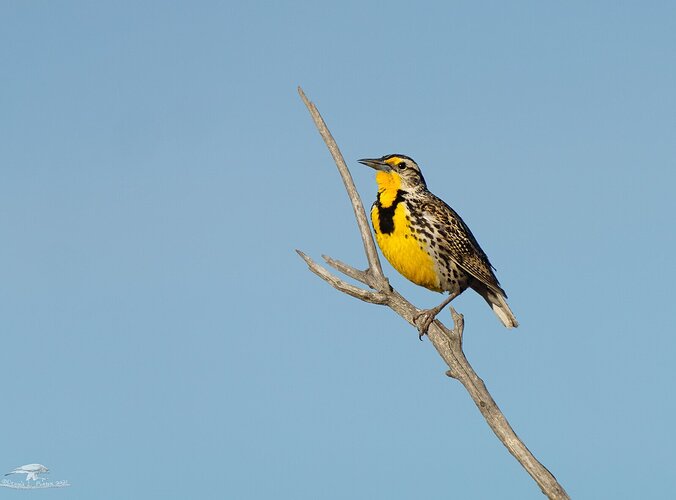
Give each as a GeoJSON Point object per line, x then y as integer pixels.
{"type": "Point", "coordinates": [454, 237]}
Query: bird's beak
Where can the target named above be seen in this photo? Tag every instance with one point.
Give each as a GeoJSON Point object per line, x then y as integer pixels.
{"type": "Point", "coordinates": [377, 164]}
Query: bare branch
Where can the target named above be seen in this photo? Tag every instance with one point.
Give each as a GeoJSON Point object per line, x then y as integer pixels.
{"type": "Point", "coordinates": [447, 342]}
{"type": "Point", "coordinates": [362, 276]}
{"type": "Point", "coordinates": [357, 206]}
{"type": "Point", "coordinates": [338, 284]}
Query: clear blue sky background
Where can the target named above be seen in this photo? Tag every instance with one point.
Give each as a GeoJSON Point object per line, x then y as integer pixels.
{"type": "Point", "coordinates": [160, 337]}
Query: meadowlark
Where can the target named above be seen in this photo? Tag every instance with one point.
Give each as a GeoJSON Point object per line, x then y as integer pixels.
{"type": "Point", "coordinates": [427, 241]}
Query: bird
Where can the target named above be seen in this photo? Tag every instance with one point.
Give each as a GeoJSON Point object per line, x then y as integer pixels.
{"type": "Point", "coordinates": [428, 242]}
{"type": "Point", "coordinates": [31, 470]}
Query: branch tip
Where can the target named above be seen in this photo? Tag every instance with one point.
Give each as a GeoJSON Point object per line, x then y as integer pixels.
{"type": "Point", "coordinates": [303, 256]}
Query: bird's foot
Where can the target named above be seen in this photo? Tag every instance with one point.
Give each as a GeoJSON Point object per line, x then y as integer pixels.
{"type": "Point", "coordinates": [423, 319]}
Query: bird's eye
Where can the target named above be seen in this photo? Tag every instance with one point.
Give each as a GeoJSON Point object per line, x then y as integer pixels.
{"type": "Point", "coordinates": [401, 165]}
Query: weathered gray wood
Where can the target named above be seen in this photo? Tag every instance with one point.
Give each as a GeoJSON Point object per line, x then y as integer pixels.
{"type": "Point", "coordinates": [447, 342]}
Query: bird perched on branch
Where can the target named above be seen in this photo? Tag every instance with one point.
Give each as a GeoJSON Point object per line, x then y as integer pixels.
{"type": "Point", "coordinates": [427, 241]}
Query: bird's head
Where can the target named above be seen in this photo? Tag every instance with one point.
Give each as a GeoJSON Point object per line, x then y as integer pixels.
{"type": "Point", "coordinates": [396, 172]}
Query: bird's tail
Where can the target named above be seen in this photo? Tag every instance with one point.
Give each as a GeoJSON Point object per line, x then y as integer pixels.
{"type": "Point", "coordinates": [501, 309]}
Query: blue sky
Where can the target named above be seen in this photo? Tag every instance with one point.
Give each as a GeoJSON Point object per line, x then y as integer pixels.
{"type": "Point", "coordinates": [162, 338]}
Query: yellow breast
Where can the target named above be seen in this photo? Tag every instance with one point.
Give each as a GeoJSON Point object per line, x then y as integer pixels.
{"type": "Point", "coordinates": [401, 248]}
